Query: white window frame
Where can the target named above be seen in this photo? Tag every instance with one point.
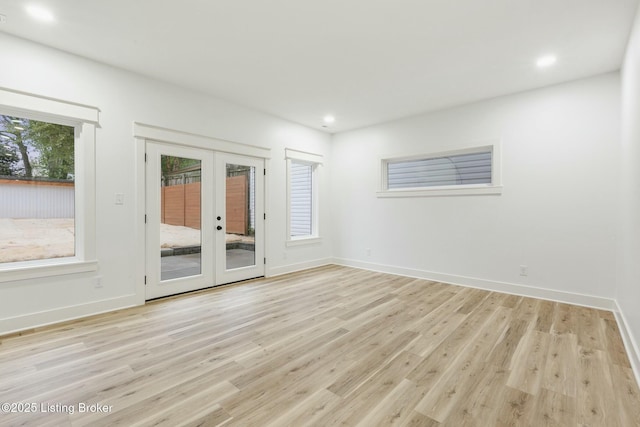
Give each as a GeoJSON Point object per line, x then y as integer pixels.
{"type": "Point", "coordinates": [315, 160]}
{"type": "Point", "coordinates": [494, 188]}
{"type": "Point", "coordinates": [84, 119]}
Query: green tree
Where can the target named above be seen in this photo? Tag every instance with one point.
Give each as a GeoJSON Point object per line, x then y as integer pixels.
{"type": "Point", "coordinates": [15, 130]}
{"type": "Point", "coordinates": [8, 159]}
{"type": "Point", "coordinates": [46, 149]}
{"type": "Point", "coordinates": [55, 145]}
{"type": "Point", "coordinates": [175, 165]}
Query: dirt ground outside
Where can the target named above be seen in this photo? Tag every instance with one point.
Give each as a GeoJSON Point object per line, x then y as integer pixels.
{"type": "Point", "coordinates": [31, 239]}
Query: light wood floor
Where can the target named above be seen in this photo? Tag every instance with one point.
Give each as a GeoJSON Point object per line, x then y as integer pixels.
{"type": "Point", "coordinates": [329, 346]}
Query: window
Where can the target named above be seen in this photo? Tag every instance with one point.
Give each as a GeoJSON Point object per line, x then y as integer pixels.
{"type": "Point", "coordinates": [302, 196]}
{"type": "Point", "coordinates": [461, 172]}
{"type": "Point", "coordinates": [47, 185]}
{"type": "Point", "coordinates": [37, 190]}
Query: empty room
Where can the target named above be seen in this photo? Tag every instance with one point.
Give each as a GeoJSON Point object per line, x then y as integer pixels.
{"type": "Point", "coordinates": [292, 213]}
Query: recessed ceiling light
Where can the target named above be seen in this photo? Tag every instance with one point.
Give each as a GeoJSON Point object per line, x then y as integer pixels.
{"type": "Point", "coordinates": [546, 61]}
{"type": "Point", "coordinates": [40, 13]}
{"type": "Point", "coordinates": [329, 119]}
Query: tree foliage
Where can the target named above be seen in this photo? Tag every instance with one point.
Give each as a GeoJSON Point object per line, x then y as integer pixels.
{"type": "Point", "coordinates": [55, 144]}
{"type": "Point", "coordinates": [172, 164]}
{"type": "Point", "coordinates": [8, 159]}
{"type": "Point", "coordinates": [41, 149]}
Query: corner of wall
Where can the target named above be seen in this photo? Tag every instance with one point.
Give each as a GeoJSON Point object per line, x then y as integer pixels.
{"type": "Point", "coordinates": [630, 344]}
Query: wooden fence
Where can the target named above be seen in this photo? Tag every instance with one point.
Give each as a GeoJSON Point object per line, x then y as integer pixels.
{"type": "Point", "coordinates": [180, 205]}
{"type": "Point", "coordinates": [237, 205]}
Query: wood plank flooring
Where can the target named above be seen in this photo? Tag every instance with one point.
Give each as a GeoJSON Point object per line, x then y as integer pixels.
{"type": "Point", "coordinates": [326, 347]}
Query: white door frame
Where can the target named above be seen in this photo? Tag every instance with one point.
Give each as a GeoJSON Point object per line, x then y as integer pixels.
{"type": "Point", "coordinates": [142, 133]}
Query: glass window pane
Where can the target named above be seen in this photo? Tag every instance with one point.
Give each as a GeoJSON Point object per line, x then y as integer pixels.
{"type": "Point", "coordinates": [37, 190]}
{"type": "Point", "coordinates": [459, 169]}
{"type": "Point", "coordinates": [301, 197]}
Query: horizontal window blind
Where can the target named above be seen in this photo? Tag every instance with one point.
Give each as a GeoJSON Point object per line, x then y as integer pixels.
{"type": "Point", "coordinates": [458, 169]}
{"type": "Point", "coordinates": [301, 199]}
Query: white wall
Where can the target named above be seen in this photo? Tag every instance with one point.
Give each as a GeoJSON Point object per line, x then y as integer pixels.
{"type": "Point", "coordinates": [628, 289]}
{"type": "Point", "coordinates": [559, 149]}
{"type": "Point", "coordinates": [123, 98]}
{"type": "Point", "coordinates": [557, 212]}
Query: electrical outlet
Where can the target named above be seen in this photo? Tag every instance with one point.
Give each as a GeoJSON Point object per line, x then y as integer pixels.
{"type": "Point", "coordinates": [524, 270]}
{"type": "Point", "coordinates": [119, 199]}
{"type": "Point", "coordinates": [97, 282]}
{"type": "Point", "coordinates": [368, 251]}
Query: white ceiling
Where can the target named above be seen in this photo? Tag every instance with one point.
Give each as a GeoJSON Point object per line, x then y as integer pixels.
{"type": "Point", "coordinates": [365, 61]}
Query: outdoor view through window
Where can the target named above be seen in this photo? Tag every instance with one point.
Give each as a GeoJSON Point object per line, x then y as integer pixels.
{"type": "Point", "coordinates": [36, 190]}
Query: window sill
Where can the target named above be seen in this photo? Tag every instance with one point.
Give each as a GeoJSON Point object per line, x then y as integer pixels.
{"type": "Point", "coordinates": [443, 191]}
{"type": "Point", "coordinates": [26, 270]}
{"type": "Point", "coordinates": [303, 241]}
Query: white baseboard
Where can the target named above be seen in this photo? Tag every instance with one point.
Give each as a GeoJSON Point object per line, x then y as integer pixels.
{"type": "Point", "coordinates": [291, 268]}
{"type": "Point", "coordinates": [630, 344]}
{"type": "Point", "coordinates": [44, 318]}
{"type": "Point", "coordinates": [489, 285]}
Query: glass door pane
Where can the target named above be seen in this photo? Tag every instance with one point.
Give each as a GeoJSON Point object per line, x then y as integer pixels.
{"type": "Point", "coordinates": [179, 219]}
{"type": "Point", "coordinates": [240, 242]}
{"type": "Point", "coordinates": [239, 218]}
{"type": "Point", "coordinates": [180, 210]}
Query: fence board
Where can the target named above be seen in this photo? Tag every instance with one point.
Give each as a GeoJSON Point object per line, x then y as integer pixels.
{"type": "Point", "coordinates": [192, 205]}
{"type": "Point", "coordinates": [181, 205]}
{"type": "Point", "coordinates": [174, 205]}
{"type": "Point", "coordinates": [237, 205]}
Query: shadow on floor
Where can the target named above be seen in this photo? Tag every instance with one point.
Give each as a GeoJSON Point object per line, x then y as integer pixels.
{"type": "Point", "coordinates": [173, 267]}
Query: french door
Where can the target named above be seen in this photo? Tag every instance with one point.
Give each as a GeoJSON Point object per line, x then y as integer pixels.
{"type": "Point", "coordinates": [205, 218]}
{"type": "Point", "coordinates": [239, 218]}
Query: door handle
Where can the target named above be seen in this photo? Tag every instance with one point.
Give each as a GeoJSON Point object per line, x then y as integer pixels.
{"type": "Point", "coordinates": [219, 218]}
{"type": "Point", "coordinates": [219, 227]}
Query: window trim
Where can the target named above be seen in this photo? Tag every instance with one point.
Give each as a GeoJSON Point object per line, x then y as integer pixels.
{"type": "Point", "coordinates": [495, 188]}
{"type": "Point", "coordinates": [315, 161]}
{"type": "Point", "coordinates": [84, 120]}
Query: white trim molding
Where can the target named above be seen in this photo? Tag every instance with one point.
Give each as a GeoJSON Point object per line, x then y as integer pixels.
{"type": "Point", "coordinates": [315, 162]}
{"type": "Point", "coordinates": [27, 105]}
{"type": "Point", "coordinates": [292, 268]}
{"type": "Point", "coordinates": [84, 120]}
{"type": "Point", "coordinates": [64, 314]}
{"type": "Point", "coordinates": [488, 285]}
{"type": "Point", "coordinates": [493, 188]}
{"type": "Point", "coordinates": [159, 134]}
{"type": "Point", "coordinates": [630, 344]}
{"type": "Point", "coordinates": [300, 241]}
{"type": "Point", "coordinates": [28, 270]}
{"type": "Point", "coordinates": [290, 153]}
{"type": "Point", "coordinates": [452, 190]}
